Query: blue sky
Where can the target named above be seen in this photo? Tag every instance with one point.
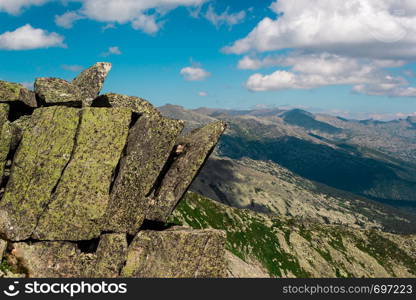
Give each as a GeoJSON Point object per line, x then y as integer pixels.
{"type": "Point", "coordinates": [228, 54]}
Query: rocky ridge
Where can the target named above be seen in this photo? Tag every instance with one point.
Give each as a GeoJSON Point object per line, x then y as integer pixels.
{"type": "Point", "coordinates": [88, 182]}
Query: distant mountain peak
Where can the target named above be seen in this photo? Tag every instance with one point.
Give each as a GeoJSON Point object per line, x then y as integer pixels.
{"type": "Point", "coordinates": [305, 119]}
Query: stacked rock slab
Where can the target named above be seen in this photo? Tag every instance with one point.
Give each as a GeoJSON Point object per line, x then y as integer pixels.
{"type": "Point", "coordinates": [91, 81]}
{"type": "Point", "coordinates": [78, 205]}
{"type": "Point", "coordinates": [155, 254]}
{"type": "Point", "coordinates": [81, 91]}
{"type": "Point", "coordinates": [148, 148]}
{"type": "Point", "coordinates": [5, 137]}
{"type": "Point", "coordinates": [15, 92]}
{"type": "Point", "coordinates": [37, 167]}
{"type": "Point", "coordinates": [191, 153]}
{"type": "Point", "coordinates": [85, 172]}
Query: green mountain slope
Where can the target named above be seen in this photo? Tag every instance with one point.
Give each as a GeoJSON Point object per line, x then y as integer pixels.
{"type": "Point", "coordinates": [266, 187]}
{"type": "Point", "coordinates": [289, 247]}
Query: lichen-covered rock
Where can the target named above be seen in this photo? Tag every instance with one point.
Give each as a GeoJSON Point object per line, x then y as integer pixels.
{"type": "Point", "coordinates": [110, 256]}
{"type": "Point", "coordinates": [10, 92]}
{"type": "Point", "coordinates": [49, 260]}
{"type": "Point", "coordinates": [38, 163]}
{"type": "Point", "coordinates": [148, 147]}
{"type": "Point", "coordinates": [177, 253]}
{"type": "Point", "coordinates": [82, 194]}
{"type": "Point", "coordinates": [193, 150]}
{"type": "Point", "coordinates": [3, 248]}
{"type": "Point", "coordinates": [57, 91]}
{"type": "Point", "coordinates": [136, 104]}
{"type": "Point", "coordinates": [91, 81]}
{"type": "Point", "coordinates": [28, 97]}
{"type": "Point", "coordinates": [4, 112]}
{"type": "Point", "coordinates": [18, 128]}
{"type": "Point", "coordinates": [5, 144]}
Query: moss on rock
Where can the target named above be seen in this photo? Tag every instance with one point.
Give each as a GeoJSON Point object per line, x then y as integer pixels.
{"type": "Point", "coordinates": [192, 151]}
{"type": "Point", "coordinates": [91, 81]}
{"type": "Point", "coordinates": [149, 144]}
{"type": "Point", "coordinates": [49, 260]}
{"type": "Point", "coordinates": [176, 253]}
{"type": "Point", "coordinates": [38, 163]}
{"type": "Point", "coordinates": [56, 90]}
{"type": "Point", "coordinates": [82, 193]}
{"type": "Point", "coordinates": [10, 92]}
{"type": "Point", "coordinates": [136, 104]}
{"type": "Point", "coordinates": [110, 256]}
{"type": "Point", "coordinates": [4, 113]}
{"type": "Point", "coordinates": [5, 144]}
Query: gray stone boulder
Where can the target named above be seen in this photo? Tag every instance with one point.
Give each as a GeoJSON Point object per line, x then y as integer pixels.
{"type": "Point", "coordinates": [5, 145]}
{"type": "Point", "coordinates": [136, 104]}
{"type": "Point", "coordinates": [82, 194]}
{"type": "Point", "coordinates": [85, 172]}
{"type": "Point", "coordinates": [81, 91]}
{"type": "Point", "coordinates": [37, 168]}
{"type": "Point", "coordinates": [110, 256]}
{"type": "Point", "coordinates": [191, 153]}
{"type": "Point", "coordinates": [57, 91]}
{"type": "Point", "coordinates": [177, 253]}
{"type": "Point", "coordinates": [4, 113]}
{"type": "Point", "coordinates": [13, 92]}
{"type": "Point", "coordinates": [91, 81]}
{"type": "Point", "coordinates": [49, 260]}
{"type": "Point", "coordinates": [149, 145]}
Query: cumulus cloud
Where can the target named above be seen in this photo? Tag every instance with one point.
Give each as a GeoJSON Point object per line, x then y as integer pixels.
{"type": "Point", "coordinates": [385, 116]}
{"type": "Point", "coordinates": [134, 12]}
{"type": "Point", "coordinates": [146, 23]}
{"type": "Point", "coordinates": [332, 42]}
{"type": "Point", "coordinates": [27, 37]}
{"type": "Point", "coordinates": [225, 18]}
{"type": "Point", "coordinates": [308, 71]}
{"type": "Point", "coordinates": [361, 28]}
{"type": "Point", "coordinates": [68, 19]}
{"type": "Point", "coordinates": [194, 73]}
{"type": "Point", "coordinates": [115, 50]}
{"type": "Point", "coordinates": [15, 7]}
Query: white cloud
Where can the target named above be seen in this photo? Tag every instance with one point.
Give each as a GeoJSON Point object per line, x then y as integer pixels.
{"type": "Point", "coordinates": [194, 73]}
{"type": "Point", "coordinates": [108, 26]}
{"type": "Point", "coordinates": [278, 80]}
{"type": "Point", "coordinates": [72, 68]}
{"type": "Point", "coordinates": [133, 12]}
{"type": "Point", "coordinates": [146, 24]}
{"type": "Point", "coordinates": [224, 18]}
{"type": "Point", "coordinates": [308, 71]}
{"type": "Point", "coordinates": [68, 19]}
{"type": "Point", "coordinates": [386, 116]}
{"type": "Point", "coordinates": [15, 7]}
{"type": "Point", "coordinates": [115, 50]}
{"type": "Point", "coordinates": [27, 37]}
{"type": "Point", "coordinates": [360, 28]}
{"type": "Point", "coordinates": [332, 42]}
{"type": "Point", "coordinates": [202, 94]}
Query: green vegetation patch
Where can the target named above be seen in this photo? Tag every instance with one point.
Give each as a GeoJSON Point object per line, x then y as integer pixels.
{"type": "Point", "coordinates": [249, 235]}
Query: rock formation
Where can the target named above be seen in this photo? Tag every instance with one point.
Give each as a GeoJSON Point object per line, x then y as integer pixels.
{"type": "Point", "coordinates": [88, 182]}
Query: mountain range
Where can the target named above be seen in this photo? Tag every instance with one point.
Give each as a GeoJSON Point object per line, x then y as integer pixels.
{"type": "Point", "coordinates": [314, 166]}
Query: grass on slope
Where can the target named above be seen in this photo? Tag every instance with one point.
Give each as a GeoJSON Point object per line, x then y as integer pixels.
{"type": "Point", "coordinates": [255, 236]}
